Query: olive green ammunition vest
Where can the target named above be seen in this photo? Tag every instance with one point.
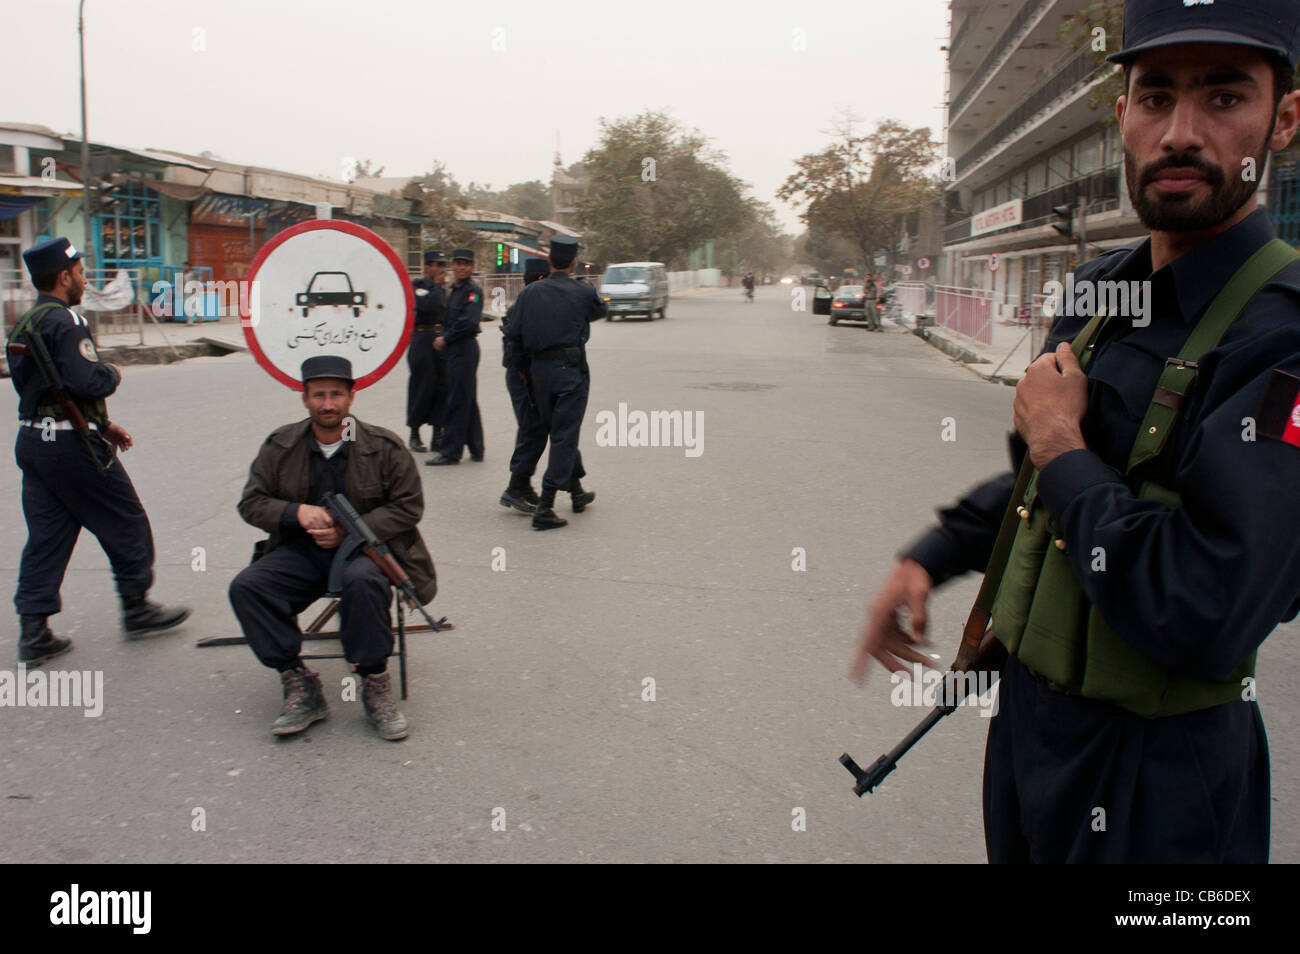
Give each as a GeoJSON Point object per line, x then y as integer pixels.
{"type": "Point", "coordinates": [1041, 613]}
{"type": "Point", "coordinates": [92, 409]}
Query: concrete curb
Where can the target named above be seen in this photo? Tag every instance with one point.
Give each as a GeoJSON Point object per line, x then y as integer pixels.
{"type": "Point", "coordinates": [953, 346]}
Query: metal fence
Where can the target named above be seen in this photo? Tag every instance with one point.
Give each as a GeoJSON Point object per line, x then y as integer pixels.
{"type": "Point", "coordinates": [913, 298]}
{"type": "Point", "coordinates": [967, 311]}
{"type": "Point", "coordinates": [17, 295]}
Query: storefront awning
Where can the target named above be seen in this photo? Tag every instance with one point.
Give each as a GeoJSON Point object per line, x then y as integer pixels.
{"type": "Point", "coordinates": [12, 206]}
{"type": "Point", "coordinates": [173, 190]}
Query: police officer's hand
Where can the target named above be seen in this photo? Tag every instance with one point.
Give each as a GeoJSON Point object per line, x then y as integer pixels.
{"type": "Point", "coordinates": [439, 343]}
{"type": "Point", "coordinates": [1051, 400]}
{"type": "Point", "coordinates": [116, 435]}
{"type": "Point", "coordinates": [329, 538]}
{"type": "Point", "coordinates": [883, 635]}
{"type": "Point", "coordinates": [314, 518]}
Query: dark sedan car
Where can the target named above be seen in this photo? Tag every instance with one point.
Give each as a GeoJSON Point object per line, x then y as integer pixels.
{"type": "Point", "coordinates": [849, 303]}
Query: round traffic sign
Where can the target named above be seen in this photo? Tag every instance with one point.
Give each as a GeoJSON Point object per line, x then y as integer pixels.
{"type": "Point", "coordinates": [328, 288]}
{"type": "Point", "coordinates": [922, 263]}
{"type": "Point", "coordinates": [993, 261]}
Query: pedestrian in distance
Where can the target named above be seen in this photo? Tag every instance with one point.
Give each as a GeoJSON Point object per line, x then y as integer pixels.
{"type": "Point", "coordinates": [427, 387]}
{"type": "Point", "coordinates": [550, 323]}
{"type": "Point", "coordinates": [530, 430]}
{"type": "Point", "coordinates": [462, 425]}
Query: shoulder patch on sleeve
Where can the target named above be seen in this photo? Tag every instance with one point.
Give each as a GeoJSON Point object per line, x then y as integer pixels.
{"type": "Point", "coordinates": [87, 349]}
{"type": "Point", "coordinates": [1278, 416]}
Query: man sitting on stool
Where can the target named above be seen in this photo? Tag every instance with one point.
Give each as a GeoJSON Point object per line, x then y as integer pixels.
{"type": "Point", "coordinates": [297, 465]}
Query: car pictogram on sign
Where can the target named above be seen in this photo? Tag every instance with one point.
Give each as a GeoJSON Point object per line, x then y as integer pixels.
{"type": "Point", "coordinates": [331, 291]}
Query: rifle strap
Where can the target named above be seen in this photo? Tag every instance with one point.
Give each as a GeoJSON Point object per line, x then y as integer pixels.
{"type": "Point", "coordinates": [977, 623]}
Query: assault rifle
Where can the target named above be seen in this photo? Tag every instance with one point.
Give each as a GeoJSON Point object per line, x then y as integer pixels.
{"type": "Point", "coordinates": [31, 346]}
{"type": "Point", "coordinates": [979, 651]}
{"type": "Point", "coordinates": [364, 538]}
{"type": "Point", "coordinates": [952, 693]}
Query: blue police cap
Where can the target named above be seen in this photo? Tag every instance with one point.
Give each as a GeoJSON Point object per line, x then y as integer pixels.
{"type": "Point", "coordinates": [327, 366]}
{"type": "Point", "coordinates": [536, 266]}
{"type": "Point", "coordinates": [464, 254]}
{"type": "Point", "coordinates": [434, 257]}
{"type": "Point", "coordinates": [50, 256]}
{"type": "Point", "coordinates": [564, 248]}
{"type": "Point", "coordinates": [1270, 25]}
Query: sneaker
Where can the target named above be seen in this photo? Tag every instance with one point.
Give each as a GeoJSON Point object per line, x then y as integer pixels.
{"type": "Point", "coordinates": [304, 702]}
{"type": "Point", "coordinates": [381, 711]}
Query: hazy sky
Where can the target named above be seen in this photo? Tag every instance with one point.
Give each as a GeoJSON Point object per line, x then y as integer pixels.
{"type": "Point", "coordinates": [485, 87]}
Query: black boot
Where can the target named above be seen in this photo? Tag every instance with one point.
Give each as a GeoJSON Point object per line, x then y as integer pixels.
{"type": "Point", "coordinates": [416, 445]}
{"type": "Point", "coordinates": [544, 518]}
{"type": "Point", "coordinates": [36, 644]}
{"type": "Point", "coordinates": [141, 617]}
{"type": "Point", "coordinates": [518, 493]}
{"type": "Point", "coordinates": [580, 497]}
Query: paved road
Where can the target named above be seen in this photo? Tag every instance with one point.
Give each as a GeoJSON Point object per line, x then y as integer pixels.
{"type": "Point", "coordinates": [823, 438]}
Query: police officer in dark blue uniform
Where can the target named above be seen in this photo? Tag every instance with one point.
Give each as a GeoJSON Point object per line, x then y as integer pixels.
{"type": "Point", "coordinates": [72, 477]}
{"type": "Point", "coordinates": [462, 425]}
{"type": "Point", "coordinates": [1183, 563]}
{"type": "Point", "coordinates": [427, 388]}
{"type": "Point", "coordinates": [551, 322]}
{"type": "Point", "coordinates": [530, 433]}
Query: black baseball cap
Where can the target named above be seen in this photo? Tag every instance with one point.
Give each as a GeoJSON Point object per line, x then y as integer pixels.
{"type": "Point", "coordinates": [1270, 25]}
{"type": "Point", "coordinates": [327, 366]}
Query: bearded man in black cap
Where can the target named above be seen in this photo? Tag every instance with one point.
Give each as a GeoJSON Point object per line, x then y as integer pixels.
{"type": "Point", "coordinates": [462, 425]}
{"type": "Point", "coordinates": [550, 323]}
{"type": "Point", "coordinates": [1149, 545]}
{"type": "Point", "coordinates": [72, 476]}
{"type": "Point", "coordinates": [297, 465]}
{"type": "Point", "coordinates": [427, 388]}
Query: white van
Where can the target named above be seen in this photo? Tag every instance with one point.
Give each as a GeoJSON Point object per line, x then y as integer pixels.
{"type": "Point", "coordinates": [635, 288]}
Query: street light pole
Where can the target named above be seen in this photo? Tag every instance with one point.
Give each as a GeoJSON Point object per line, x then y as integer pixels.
{"type": "Point", "coordinates": [85, 146]}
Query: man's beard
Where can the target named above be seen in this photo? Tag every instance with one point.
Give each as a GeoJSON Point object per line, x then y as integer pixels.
{"type": "Point", "coordinates": [74, 295]}
{"type": "Point", "coordinates": [1179, 212]}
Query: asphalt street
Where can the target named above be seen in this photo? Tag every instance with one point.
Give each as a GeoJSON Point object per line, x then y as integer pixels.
{"type": "Point", "coordinates": [535, 712]}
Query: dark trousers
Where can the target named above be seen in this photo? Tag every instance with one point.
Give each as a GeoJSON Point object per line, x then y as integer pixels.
{"type": "Point", "coordinates": [561, 394]}
{"type": "Point", "coordinates": [1185, 789]}
{"type": "Point", "coordinates": [530, 434]}
{"type": "Point", "coordinates": [426, 389]}
{"type": "Point", "coordinates": [63, 492]}
{"type": "Point", "coordinates": [462, 425]}
{"type": "Point", "coordinates": [268, 595]}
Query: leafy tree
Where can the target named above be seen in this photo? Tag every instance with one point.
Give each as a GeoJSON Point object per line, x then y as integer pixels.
{"type": "Point", "coordinates": [856, 187]}
{"type": "Point", "coordinates": [656, 192]}
{"type": "Point", "coordinates": [1099, 27]}
{"type": "Point", "coordinates": [441, 200]}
